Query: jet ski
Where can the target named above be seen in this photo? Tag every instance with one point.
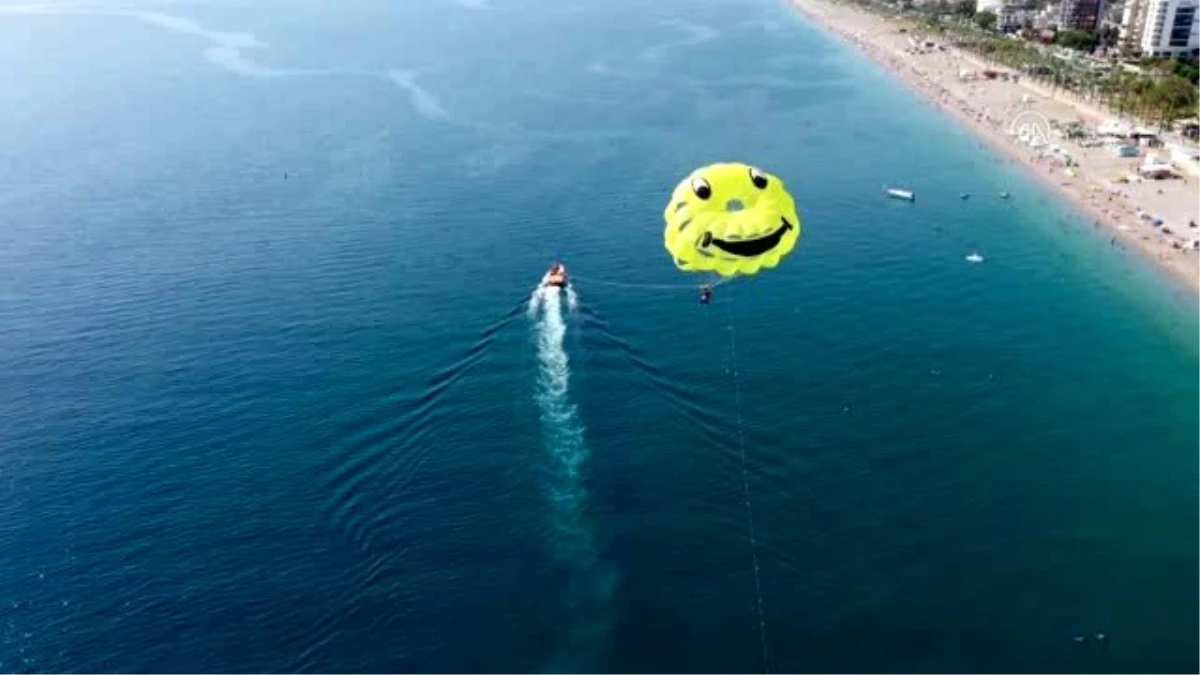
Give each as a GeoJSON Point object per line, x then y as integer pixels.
{"type": "Point", "coordinates": [556, 276]}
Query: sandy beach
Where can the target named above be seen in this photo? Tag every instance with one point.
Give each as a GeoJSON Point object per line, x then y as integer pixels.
{"type": "Point", "coordinates": [988, 107]}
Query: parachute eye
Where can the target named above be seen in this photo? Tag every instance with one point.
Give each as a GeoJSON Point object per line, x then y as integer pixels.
{"type": "Point", "coordinates": [757, 177]}
{"type": "Point", "coordinates": [701, 187]}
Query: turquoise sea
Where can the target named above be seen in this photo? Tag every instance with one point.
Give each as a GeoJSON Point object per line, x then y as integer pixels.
{"type": "Point", "coordinates": [277, 394]}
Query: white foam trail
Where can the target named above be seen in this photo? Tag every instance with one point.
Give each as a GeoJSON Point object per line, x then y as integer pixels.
{"type": "Point", "coordinates": [698, 34]}
{"type": "Point", "coordinates": [232, 59]}
{"type": "Point", "coordinates": [422, 99]}
{"type": "Point", "coordinates": [225, 49]}
{"type": "Point", "coordinates": [232, 51]}
{"type": "Point", "coordinates": [186, 26]}
{"type": "Point", "coordinates": [572, 541]}
{"type": "Point", "coordinates": [535, 302]}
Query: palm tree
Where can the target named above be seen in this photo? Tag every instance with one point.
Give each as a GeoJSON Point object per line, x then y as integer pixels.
{"type": "Point", "coordinates": [1172, 97]}
{"type": "Point", "coordinates": [1108, 86]}
{"type": "Point", "coordinates": [1144, 88]}
{"type": "Point", "coordinates": [1124, 91]}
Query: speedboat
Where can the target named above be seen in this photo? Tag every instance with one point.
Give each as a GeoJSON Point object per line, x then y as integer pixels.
{"type": "Point", "coordinates": [897, 193]}
{"type": "Point", "coordinates": [556, 276]}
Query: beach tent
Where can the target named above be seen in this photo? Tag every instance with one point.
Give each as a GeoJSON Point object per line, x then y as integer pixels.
{"type": "Point", "coordinates": [1156, 169]}
{"type": "Point", "coordinates": [1186, 158]}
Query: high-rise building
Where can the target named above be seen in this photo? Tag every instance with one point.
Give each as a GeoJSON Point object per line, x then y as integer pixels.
{"type": "Point", "coordinates": [1114, 10]}
{"type": "Point", "coordinates": [1009, 13]}
{"type": "Point", "coordinates": [1011, 16]}
{"type": "Point", "coordinates": [1133, 23]}
{"type": "Point", "coordinates": [1080, 14]}
{"type": "Point", "coordinates": [1170, 28]}
{"type": "Point", "coordinates": [1045, 17]}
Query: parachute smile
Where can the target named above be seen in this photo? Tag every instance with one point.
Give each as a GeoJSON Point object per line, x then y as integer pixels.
{"type": "Point", "coordinates": [753, 247]}
{"type": "Point", "coordinates": [732, 219]}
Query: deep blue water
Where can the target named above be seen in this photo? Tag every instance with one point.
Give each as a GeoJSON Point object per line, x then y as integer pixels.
{"type": "Point", "coordinates": [272, 396]}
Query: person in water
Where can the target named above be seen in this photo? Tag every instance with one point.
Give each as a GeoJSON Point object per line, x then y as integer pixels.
{"type": "Point", "coordinates": [705, 295]}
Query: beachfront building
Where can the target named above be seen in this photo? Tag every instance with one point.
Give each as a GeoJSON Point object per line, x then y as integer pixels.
{"type": "Point", "coordinates": [1046, 17]}
{"type": "Point", "coordinates": [1080, 14]}
{"type": "Point", "coordinates": [1113, 13]}
{"type": "Point", "coordinates": [1133, 24]}
{"type": "Point", "coordinates": [1170, 28]}
{"type": "Point", "coordinates": [1012, 16]}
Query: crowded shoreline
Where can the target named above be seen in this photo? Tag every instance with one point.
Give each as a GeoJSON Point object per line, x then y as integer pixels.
{"type": "Point", "coordinates": [1156, 217]}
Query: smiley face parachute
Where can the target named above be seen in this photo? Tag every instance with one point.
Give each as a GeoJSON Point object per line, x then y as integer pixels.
{"type": "Point", "coordinates": [730, 219]}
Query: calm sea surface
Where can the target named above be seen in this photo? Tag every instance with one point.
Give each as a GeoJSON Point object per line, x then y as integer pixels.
{"type": "Point", "coordinates": [275, 394]}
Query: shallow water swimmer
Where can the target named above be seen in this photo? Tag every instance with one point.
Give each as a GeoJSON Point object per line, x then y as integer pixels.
{"type": "Point", "coordinates": [705, 295]}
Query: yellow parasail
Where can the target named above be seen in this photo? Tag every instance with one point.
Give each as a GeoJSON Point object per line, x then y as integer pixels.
{"type": "Point", "coordinates": [730, 219]}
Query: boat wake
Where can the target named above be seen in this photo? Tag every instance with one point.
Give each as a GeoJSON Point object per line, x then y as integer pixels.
{"type": "Point", "coordinates": [571, 539]}
{"type": "Point", "coordinates": [544, 294]}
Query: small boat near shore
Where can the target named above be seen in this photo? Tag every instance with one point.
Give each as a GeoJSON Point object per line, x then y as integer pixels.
{"type": "Point", "coordinates": [906, 195]}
